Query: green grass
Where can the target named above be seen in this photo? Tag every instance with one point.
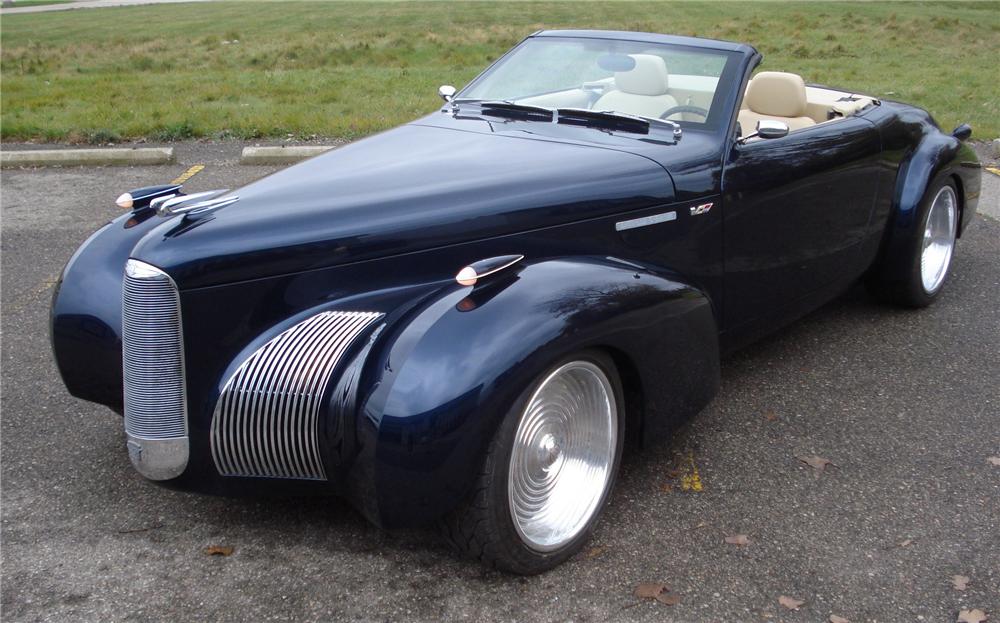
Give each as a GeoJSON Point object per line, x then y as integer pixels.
{"type": "Point", "coordinates": [261, 69]}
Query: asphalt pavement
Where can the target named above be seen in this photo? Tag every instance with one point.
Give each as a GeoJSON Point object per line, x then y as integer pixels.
{"type": "Point", "coordinates": [905, 404]}
{"type": "Point", "coordinates": [84, 4]}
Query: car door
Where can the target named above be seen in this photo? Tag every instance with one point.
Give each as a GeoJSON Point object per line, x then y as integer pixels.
{"type": "Point", "coordinates": [796, 212]}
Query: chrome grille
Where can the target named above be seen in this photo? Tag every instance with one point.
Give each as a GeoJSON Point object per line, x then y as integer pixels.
{"type": "Point", "coordinates": [266, 422]}
{"type": "Point", "coordinates": [152, 354]}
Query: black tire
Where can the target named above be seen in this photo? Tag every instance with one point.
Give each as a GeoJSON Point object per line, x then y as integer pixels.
{"type": "Point", "coordinates": [482, 526]}
{"type": "Point", "coordinates": [911, 291]}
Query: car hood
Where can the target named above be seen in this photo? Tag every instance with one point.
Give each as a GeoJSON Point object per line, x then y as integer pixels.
{"type": "Point", "coordinates": [408, 189]}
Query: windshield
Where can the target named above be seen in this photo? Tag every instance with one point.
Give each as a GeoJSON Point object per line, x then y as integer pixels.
{"type": "Point", "coordinates": [655, 81]}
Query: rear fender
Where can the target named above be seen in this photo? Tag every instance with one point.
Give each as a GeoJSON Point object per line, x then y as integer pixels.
{"type": "Point", "coordinates": [936, 156]}
{"type": "Point", "coordinates": [448, 373]}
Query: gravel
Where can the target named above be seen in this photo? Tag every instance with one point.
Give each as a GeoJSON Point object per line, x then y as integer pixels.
{"type": "Point", "coordinates": [904, 403]}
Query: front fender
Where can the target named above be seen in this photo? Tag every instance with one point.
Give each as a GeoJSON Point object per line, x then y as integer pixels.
{"type": "Point", "coordinates": [451, 371]}
{"type": "Point", "coordinates": [85, 318]}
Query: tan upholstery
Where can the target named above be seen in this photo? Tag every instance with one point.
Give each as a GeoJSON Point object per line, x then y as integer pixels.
{"type": "Point", "coordinates": [643, 90]}
{"type": "Point", "coordinates": [775, 95]}
{"type": "Point", "coordinates": [648, 77]}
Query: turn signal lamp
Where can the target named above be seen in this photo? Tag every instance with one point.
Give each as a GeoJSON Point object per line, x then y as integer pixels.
{"type": "Point", "coordinates": [472, 273]}
{"type": "Point", "coordinates": [139, 198]}
{"type": "Point", "coordinates": [124, 201]}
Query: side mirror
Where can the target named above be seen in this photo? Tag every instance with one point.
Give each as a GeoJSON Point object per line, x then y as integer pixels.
{"type": "Point", "coordinates": [766, 128]}
{"type": "Point", "coordinates": [962, 132]}
{"type": "Point", "coordinates": [769, 128]}
{"type": "Point", "coordinates": [446, 91]}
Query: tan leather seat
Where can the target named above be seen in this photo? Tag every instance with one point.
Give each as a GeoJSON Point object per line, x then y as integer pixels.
{"type": "Point", "coordinates": [642, 90]}
{"type": "Point", "coordinates": [775, 95]}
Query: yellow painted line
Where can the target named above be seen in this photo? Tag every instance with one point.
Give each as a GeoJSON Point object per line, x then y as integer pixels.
{"type": "Point", "coordinates": [993, 170]}
{"type": "Point", "coordinates": [188, 174]}
{"type": "Point", "coordinates": [691, 480]}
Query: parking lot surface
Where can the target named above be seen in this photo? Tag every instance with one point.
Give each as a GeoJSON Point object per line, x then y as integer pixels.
{"type": "Point", "coordinates": [906, 405]}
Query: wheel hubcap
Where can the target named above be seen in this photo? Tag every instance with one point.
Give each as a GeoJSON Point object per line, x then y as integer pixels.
{"type": "Point", "coordinates": [939, 239]}
{"type": "Point", "coordinates": [564, 450]}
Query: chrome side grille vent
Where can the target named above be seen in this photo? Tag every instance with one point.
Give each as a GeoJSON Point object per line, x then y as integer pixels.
{"type": "Point", "coordinates": [266, 422]}
{"type": "Point", "coordinates": [153, 372]}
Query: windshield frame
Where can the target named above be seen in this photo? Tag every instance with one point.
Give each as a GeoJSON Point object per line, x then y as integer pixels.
{"type": "Point", "coordinates": [720, 112]}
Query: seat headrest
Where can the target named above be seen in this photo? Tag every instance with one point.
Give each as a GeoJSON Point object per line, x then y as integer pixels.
{"type": "Point", "coordinates": [648, 77]}
{"type": "Point", "coordinates": [777, 93]}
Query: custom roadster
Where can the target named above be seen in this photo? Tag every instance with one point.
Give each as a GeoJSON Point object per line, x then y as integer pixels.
{"type": "Point", "coordinates": [465, 319]}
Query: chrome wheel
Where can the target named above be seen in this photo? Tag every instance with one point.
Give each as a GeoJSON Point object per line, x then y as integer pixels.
{"type": "Point", "coordinates": [939, 239]}
{"type": "Point", "coordinates": [563, 455]}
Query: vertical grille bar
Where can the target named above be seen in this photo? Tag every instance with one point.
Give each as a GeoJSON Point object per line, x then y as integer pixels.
{"type": "Point", "coordinates": [153, 372]}
{"type": "Point", "coordinates": [266, 422]}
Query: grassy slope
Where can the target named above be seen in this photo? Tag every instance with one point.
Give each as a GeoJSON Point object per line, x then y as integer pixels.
{"type": "Point", "coordinates": [346, 69]}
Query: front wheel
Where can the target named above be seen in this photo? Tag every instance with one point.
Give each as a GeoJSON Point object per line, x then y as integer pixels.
{"type": "Point", "coordinates": [929, 250]}
{"type": "Point", "coordinates": [548, 470]}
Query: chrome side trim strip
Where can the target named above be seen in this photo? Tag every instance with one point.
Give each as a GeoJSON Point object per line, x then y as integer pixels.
{"type": "Point", "coordinates": [266, 421]}
{"type": "Point", "coordinates": [645, 221]}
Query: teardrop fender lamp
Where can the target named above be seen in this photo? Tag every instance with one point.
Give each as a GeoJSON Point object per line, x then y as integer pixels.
{"type": "Point", "coordinates": [473, 273]}
{"type": "Point", "coordinates": [141, 197]}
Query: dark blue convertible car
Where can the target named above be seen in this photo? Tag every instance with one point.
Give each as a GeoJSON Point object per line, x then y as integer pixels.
{"type": "Point", "coordinates": [464, 320]}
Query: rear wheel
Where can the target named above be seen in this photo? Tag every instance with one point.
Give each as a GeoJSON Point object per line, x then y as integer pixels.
{"type": "Point", "coordinates": [548, 471]}
{"type": "Point", "coordinates": [929, 250]}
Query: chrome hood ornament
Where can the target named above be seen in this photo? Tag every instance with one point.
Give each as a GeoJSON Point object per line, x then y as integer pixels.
{"type": "Point", "coordinates": [191, 205]}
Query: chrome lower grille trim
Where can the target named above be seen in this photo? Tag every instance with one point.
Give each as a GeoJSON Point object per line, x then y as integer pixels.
{"type": "Point", "coordinates": [153, 372]}
{"type": "Point", "coordinates": [266, 422]}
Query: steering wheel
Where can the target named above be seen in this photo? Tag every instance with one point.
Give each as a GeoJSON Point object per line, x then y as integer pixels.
{"type": "Point", "coordinates": [698, 110]}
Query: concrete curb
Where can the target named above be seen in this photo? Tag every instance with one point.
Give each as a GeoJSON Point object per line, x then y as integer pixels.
{"type": "Point", "coordinates": [989, 198]}
{"type": "Point", "coordinates": [281, 155]}
{"type": "Point", "coordinates": [87, 157]}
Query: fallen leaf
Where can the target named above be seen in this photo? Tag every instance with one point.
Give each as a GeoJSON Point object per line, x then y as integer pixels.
{"type": "Point", "coordinates": [816, 462]}
{"type": "Point", "coordinates": [669, 599]}
{"type": "Point", "coordinates": [905, 543]}
{"type": "Point", "coordinates": [790, 602]}
{"type": "Point", "coordinates": [674, 472]}
{"type": "Point", "coordinates": [701, 524]}
{"type": "Point", "coordinates": [994, 461]}
{"type": "Point", "coordinates": [770, 416]}
{"type": "Point", "coordinates": [738, 539]}
{"type": "Point", "coordinates": [691, 480]}
{"type": "Point", "coordinates": [595, 552]}
{"type": "Point", "coordinates": [971, 616]}
{"type": "Point", "coordinates": [836, 619]}
{"type": "Point", "coordinates": [649, 590]}
{"type": "Point", "coordinates": [219, 550]}
{"type": "Point", "coordinates": [960, 582]}
{"type": "Point", "coordinates": [666, 488]}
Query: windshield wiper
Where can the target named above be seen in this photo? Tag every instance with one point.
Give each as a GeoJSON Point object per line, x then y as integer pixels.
{"type": "Point", "coordinates": [615, 120]}
{"type": "Point", "coordinates": [608, 119]}
{"type": "Point", "coordinates": [508, 109]}
{"type": "Point", "coordinates": [584, 116]}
